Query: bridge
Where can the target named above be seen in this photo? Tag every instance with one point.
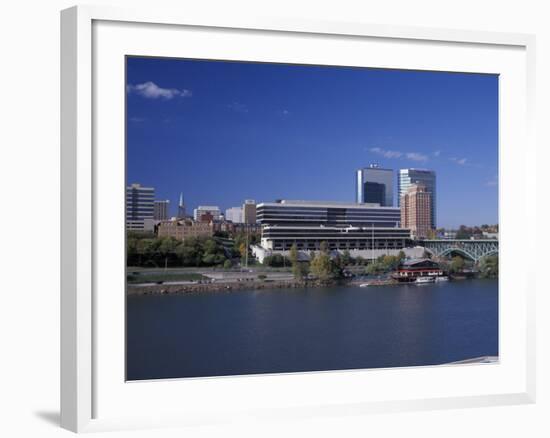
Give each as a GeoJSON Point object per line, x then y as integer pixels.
{"type": "Point", "coordinates": [472, 249]}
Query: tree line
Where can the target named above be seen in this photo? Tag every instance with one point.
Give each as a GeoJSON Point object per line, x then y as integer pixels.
{"type": "Point", "coordinates": [324, 268]}
{"type": "Point", "coordinates": [167, 251]}
{"type": "Point", "coordinates": [321, 267]}
{"type": "Point", "coordinates": [220, 250]}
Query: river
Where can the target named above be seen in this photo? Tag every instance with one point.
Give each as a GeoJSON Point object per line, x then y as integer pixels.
{"type": "Point", "coordinates": [310, 329]}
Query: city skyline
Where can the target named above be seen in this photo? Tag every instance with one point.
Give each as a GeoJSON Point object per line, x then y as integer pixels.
{"type": "Point", "coordinates": [224, 132]}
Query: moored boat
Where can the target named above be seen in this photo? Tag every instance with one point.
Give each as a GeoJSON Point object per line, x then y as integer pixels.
{"type": "Point", "coordinates": [424, 280]}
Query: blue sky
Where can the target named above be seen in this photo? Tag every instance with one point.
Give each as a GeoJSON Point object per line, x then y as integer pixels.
{"type": "Point", "coordinates": [222, 132]}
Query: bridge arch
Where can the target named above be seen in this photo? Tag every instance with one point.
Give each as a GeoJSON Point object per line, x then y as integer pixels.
{"type": "Point", "coordinates": [471, 249]}
{"type": "Point", "coordinates": [490, 253]}
{"type": "Point", "coordinates": [465, 253]}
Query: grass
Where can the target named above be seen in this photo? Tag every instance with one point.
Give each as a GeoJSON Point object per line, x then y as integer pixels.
{"type": "Point", "coordinates": [136, 277]}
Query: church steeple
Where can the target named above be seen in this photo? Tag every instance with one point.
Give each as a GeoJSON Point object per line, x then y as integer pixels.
{"type": "Point", "coordinates": [181, 207]}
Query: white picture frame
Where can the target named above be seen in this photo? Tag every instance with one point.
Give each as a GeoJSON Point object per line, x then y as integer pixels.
{"type": "Point", "coordinates": [84, 379]}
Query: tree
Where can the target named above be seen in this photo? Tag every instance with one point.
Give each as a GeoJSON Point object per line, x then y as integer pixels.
{"type": "Point", "coordinates": [444, 265]}
{"type": "Point", "coordinates": [210, 246]}
{"type": "Point", "coordinates": [146, 249]}
{"type": "Point", "coordinates": [432, 234]}
{"type": "Point", "coordinates": [167, 248]}
{"type": "Point", "coordinates": [131, 250]}
{"type": "Point", "coordinates": [213, 253]}
{"type": "Point", "coordinates": [299, 269]}
{"type": "Point", "coordinates": [243, 249]}
{"type": "Point", "coordinates": [321, 266]}
{"type": "Point", "coordinates": [457, 264]}
{"type": "Point", "coordinates": [463, 232]}
{"type": "Point", "coordinates": [373, 268]}
{"type": "Point", "coordinates": [190, 252]}
{"type": "Point", "coordinates": [390, 263]}
{"type": "Point", "coordinates": [488, 267]}
{"type": "Point", "coordinates": [227, 264]}
{"type": "Point", "coordinates": [293, 254]}
{"type": "Point", "coordinates": [385, 263]}
{"type": "Point", "coordinates": [346, 258]}
{"type": "Point", "coordinates": [275, 261]}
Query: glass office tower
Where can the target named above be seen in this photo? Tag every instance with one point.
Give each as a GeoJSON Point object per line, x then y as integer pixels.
{"type": "Point", "coordinates": [407, 177]}
{"type": "Point", "coordinates": [374, 185]}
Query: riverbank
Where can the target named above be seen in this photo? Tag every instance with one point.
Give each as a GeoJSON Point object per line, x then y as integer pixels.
{"type": "Point", "coordinates": [251, 284]}
{"type": "Point", "coordinates": [164, 289]}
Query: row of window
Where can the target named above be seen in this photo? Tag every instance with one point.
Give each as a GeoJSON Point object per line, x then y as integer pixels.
{"type": "Point", "coordinates": [365, 233]}
{"type": "Point", "coordinates": [315, 245]}
{"type": "Point", "coordinates": [325, 211]}
{"type": "Point", "coordinates": [277, 216]}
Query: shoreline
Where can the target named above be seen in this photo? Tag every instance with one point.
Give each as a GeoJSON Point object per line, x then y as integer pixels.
{"type": "Point", "coordinates": [174, 289]}
{"type": "Point", "coordinates": [170, 289]}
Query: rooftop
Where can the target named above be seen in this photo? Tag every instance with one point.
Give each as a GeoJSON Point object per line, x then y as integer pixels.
{"type": "Point", "coordinates": [413, 262]}
{"type": "Point", "coordinates": [325, 204]}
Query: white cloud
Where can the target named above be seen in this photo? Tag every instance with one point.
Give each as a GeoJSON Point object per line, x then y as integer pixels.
{"type": "Point", "coordinates": [460, 161]}
{"type": "Point", "coordinates": [415, 156]}
{"type": "Point", "coordinates": [419, 157]}
{"type": "Point", "coordinates": [393, 154]}
{"type": "Point", "coordinates": [150, 90]}
{"type": "Point", "coordinates": [386, 153]}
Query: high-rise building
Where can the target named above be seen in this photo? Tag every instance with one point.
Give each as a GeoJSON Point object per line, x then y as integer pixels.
{"type": "Point", "coordinates": [416, 214]}
{"type": "Point", "coordinates": [249, 211]}
{"type": "Point", "coordinates": [234, 214]}
{"type": "Point", "coordinates": [201, 210]}
{"type": "Point", "coordinates": [374, 185]}
{"type": "Point", "coordinates": [140, 206]}
{"type": "Point", "coordinates": [408, 177]}
{"type": "Point", "coordinates": [181, 207]}
{"type": "Point", "coordinates": [162, 210]}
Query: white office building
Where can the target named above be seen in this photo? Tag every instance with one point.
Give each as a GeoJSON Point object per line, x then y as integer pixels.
{"type": "Point", "coordinates": [207, 209]}
{"type": "Point", "coordinates": [343, 226]}
{"type": "Point", "coordinates": [234, 214]}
